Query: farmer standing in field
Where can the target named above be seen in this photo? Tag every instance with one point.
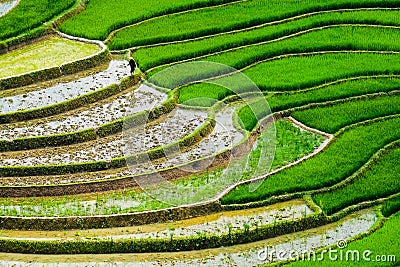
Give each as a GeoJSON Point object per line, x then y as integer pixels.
{"type": "Point", "coordinates": [132, 64]}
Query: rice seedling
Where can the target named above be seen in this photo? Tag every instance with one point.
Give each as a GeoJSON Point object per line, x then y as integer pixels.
{"type": "Point", "coordinates": [31, 14]}
{"type": "Point", "coordinates": [292, 143]}
{"type": "Point", "coordinates": [391, 206]}
{"type": "Point", "coordinates": [298, 73]}
{"type": "Point", "coordinates": [383, 246]}
{"type": "Point", "coordinates": [345, 89]}
{"type": "Point", "coordinates": [116, 14]}
{"type": "Point", "coordinates": [382, 180]}
{"type": "Point", "coordinates": [345, 155]}
{"type": "Point", "coordinates": [222, 19]}
{"type": "Point", "coordinates": [332, 118]}
{"type": "Point", "coordinates": [149, 57]}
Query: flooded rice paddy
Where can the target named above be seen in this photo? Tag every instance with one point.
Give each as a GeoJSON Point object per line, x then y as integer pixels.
{"type": "Point", "coordinates": [223, 136]}
{"type": "Point", "coordinates": [116, 70]}
{"type": "Point", "coordinates": [179, 124]}
{"type": "Point", "coordinates": [48, 53]}
{"type": "Point", "coordinates": [6, 6]}
{"type": "Point", "coordinates": [133, 101]}
{"type": "Point", "coordinates": [218, 224]}
{"type": "Point", "coordinates": [198, 187]}
{"type": "Point", "coordinates": [240, 255]}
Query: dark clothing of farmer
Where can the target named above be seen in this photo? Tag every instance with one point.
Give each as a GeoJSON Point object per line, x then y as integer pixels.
{"type": "Point", "coordinates": [132, 64]}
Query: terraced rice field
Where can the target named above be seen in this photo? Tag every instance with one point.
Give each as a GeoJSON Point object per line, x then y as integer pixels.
{"type": "Point", "coordinates": [252, 133]}
{"type": "Point", "coordinates": [45, 54]}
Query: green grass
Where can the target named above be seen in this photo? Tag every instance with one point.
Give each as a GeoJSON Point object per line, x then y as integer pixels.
{"type": "Point", "coordinates": [331, 118]}
{"type": "Point", "coordinates": [382, 180]}
{"type": "Point", "coordinates": [150, 57]}
{"type": "Point", "coordinates": [286, 100]}
{"type": "Point", "coordinates": [30, 14]}
{"type": "Point", "coordinates": [190, 95]}
{"type": "Point", "coordinates": [215, 89]}
{"type": "Point", "coordinates": [291, 144]}
{"type": "Point", "coordinates": [282, 101]}
{"type": "Point", "coordinates": [299, 73]}
{"type": "Point", "coordinates": [391, 206]}
{"type": "Point", "coordinates": [289, 73]}
{"type": "Point", "coordinates": [384, 241]}
{"type": "Point", "coordinates": [101, 17]}
{"type": "Point", "coordinates": [48, 53]}
{"type": "Point", "coordinates": [304, 72]}
{"type": "Point", "coordinates": [351, 88]}
{"type": "Point", "coordinates": [340, 38]}
{"type": "Point", "coordinates": [345, 155]}
{"type": "Point", "coordinates": [206, 94]}
{"type": "Point", "coordinates": [237, 16]}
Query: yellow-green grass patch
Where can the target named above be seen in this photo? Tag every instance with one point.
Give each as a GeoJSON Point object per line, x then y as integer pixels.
{"type": "Point", "coordinates": [48, 53]}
